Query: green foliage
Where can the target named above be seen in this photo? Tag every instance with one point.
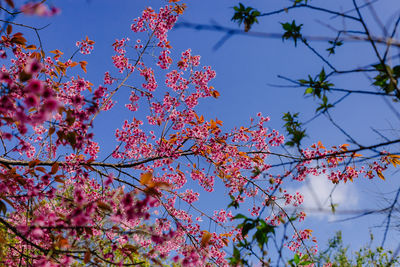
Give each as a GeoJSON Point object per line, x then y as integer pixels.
{"type": "Point", "coordinates": [324, 105]}
{"type": "Point", "coordinates": [294, 129]}
{"type": "Point", "coordinates": [338, 255]}
{"type": "Point", "coordinates": [292, 31]}
{"type": "Point", "coordinates": [299, 2]}
{"type": "Point", "coordinates": [334, 44]}
{"type": "Point", "coordinates": [318, 87]}
{"type": "Point", "coordinates": [261, 232]}
{"type": "Point", "coordinates": [387, 78]}
{"type": "Point", "coordinates": [246, 15]}
{"type": "Point", "coordinates": [6, 239]}
{"type": "Point", "coordinates": [300, 261]}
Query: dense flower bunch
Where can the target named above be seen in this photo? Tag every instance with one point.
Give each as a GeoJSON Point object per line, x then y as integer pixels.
{"type": "Point", "coordinates": [61, 206]}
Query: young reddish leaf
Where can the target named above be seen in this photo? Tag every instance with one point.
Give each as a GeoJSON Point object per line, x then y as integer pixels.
{"type": "Point", "coordinates": [23, 76]}
{"type": "Point", "coordinates": [20, 180]}
{"type": "Point", "coordinates": [87, 257]}
{"type": "Point", "coordinates": [33, 163]}
{"type": "Point", "coordinates": [90, 42]}
{"type": "Point", "coordinates": [51, 130]}
{"type": "Point", "coordinates": [54, 168]}
{"type": "Point", "coordinates": [215, 93]}
{"type": "Point", "coordinates": [83, 65]}
{"type": "Point", "coordinates": [62, 243]}
{"type": "Point", "coordinates": [344, 147]}
{"type": "Point", "coordinates": [73, 64]}
{"type": "Point", "coordinates": [10, 3]}
{"type": "Point", "coordinates": [213, 125]}
{"type": "Point", "coordinates": [161, 185]}
{"type": "Point", "coordinates": [146, 178]}
{"type": "Point", "coordinates": [179, 8]}
{"type": "Point", "coordinates": [41, 169]}
{"type": "Point", "coordinates": [31, 47]}
{"type": "Point", "coordinates": [205, 239]}
{"type": "Point", "coordinates": [57, 52]}
{"type": "Point", "coordinates": [71, 138]}
{"type": "Point", "coordinates": [9, 29]}
{"type": "Point", "coordinates": [36, 56]}
{"type": "Point", "coordinates": [18, 38]}
{"type": "Point", "coordinates": [58, 179]}
{"type": "Point", "coordinates": [380, 175]}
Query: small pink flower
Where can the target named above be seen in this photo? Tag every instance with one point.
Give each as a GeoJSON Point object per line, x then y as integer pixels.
{"type": "Point", "coordinates": [5, 77]}
{"type": "Point", "coordinates": [3, 54]}
{"type": "Point", "coordinates": [77, 100]}
{"type": "Point", "coordinates": [33, 66]}
{"type": "Point", "coordinates": [7, 136]}
{"type": "Point", "coordinates": [50, 105]}
{"type": "Point", "coordinates": [35, 86]}
{"type": "Point", "coordinates": [37, 233]}
{"type": "Point", "coordinates": [47, 93]}
{"type": "Point", "coordinates": [109, 180]}
{"type": "Point", "coordinates": [127, 200]}
{"type": "Point", "coordinates": [31, 100]}
{"type": "Point", "coordinates": [66, 261]}
{"type": "Point", "coordinates": [34, 9]}
{"type": "Point", "coordinates": [39, 9]}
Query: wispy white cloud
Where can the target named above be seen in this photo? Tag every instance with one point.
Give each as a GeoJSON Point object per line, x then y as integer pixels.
{"type": "Point", "coordinates": [319, 193]}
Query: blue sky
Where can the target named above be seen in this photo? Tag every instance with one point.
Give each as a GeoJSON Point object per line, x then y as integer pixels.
{"type": "Point", "coordinates": [246, 67]}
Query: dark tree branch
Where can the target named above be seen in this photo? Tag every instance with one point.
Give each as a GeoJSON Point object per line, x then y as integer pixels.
{"type": "Point", "coordinates": [391, 38]}
{"type": "Point", "coordinates": [310, 7]}
{"type": "Point", "coordinates": [94, 163]}
{"type": "Point", "coordinates": [389, 216]}
{"type": "Point", "coordinates": [372, 42]}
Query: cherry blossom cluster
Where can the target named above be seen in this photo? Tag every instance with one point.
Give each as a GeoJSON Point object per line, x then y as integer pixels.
{"type": "Point", "coordinates": [39, 9]}
{"type": "Point", "coordinates": [298, 240]}
{"type": "Point", "coordinates": [85, 46]}
{"type": "Point", "coordinates": [140, 204]}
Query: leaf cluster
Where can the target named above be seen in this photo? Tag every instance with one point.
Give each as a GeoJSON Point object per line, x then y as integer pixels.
{"type": "Point", "coordinates": [318, 87]}
{"type": "Point", "coordinates": [338, 255]}
{"type": "Point", "coordinates": [292, 31]}
{"type": "Point", "coordinates": [387, 78]}
{"type": "Point", "coordinates": [261, 235]}
{"type": "Point", "coordinates": [334, 44]}
{"type": "Point", "coordinates": [294, 129]}
{"type": "Point", "coordinates": [300, 260]}
{"type": "Point", "coordinates": [246, 15]}
{"type": "Point", "coordinates": [299, 2]}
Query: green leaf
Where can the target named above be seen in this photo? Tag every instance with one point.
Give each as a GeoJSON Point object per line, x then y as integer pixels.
{"type": "Point", "coordinates": [246, 15]}
{"type": "Point", "coordinates": [239, 216]}
{"type": "Point", "coordinates": [296, 258]}
{"type": "Point", "coordinates": [322, 75]}
{"type": "Point", "coordinates": [309, 90]}
{"type": "Point", "coordinates": [246, 228]}
{"type": "Point", "coordinates": [3, 207]}
{"type": "Point", "coordinates": [71, 138]}
{"type": "Point", "coordinates": [292, 31]}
